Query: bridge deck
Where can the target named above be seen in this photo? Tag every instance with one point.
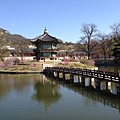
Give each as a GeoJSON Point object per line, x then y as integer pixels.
{"type": "Point", "coordinates": [102, 75]}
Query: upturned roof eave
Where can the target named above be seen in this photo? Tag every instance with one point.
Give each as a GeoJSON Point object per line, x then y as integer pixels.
{"type": "Point", "coordinates": [41, 38]}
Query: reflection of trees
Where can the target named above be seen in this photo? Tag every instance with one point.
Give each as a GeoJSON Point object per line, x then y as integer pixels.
{"type": "Point", "coordinates": [4, 87]}
{"type": "Point", "coordinates": [16, 82]}
{"type": "Point", "coordinates": [46, 92]}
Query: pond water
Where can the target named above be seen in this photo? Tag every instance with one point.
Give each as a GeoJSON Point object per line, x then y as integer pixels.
{"type": "Point", "coordinates": [36, 97]}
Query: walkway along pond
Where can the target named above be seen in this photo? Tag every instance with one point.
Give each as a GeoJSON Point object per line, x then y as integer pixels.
{"type": "Point", "coordinates": [94, 78]}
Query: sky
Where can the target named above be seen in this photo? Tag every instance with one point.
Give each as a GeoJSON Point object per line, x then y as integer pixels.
{"type": "Point", "coordinates": [63, 18]}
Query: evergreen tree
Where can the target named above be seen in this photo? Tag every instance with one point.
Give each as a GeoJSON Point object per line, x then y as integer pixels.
{"type": "Point", "coordinates": [116, 36]}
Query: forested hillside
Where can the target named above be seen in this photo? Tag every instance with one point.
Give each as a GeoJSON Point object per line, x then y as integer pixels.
{"type": "Point", "coordinates": [12, 37]}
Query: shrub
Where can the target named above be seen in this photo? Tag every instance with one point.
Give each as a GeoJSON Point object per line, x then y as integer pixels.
{"type": "Point", "coordinates": [73, 60]}
{"type": "Point", "coordinates": [91, 62]}
{"type": "Point", "coordinates": [8, 62]}
{"type": "Point", "coordinates": [16, 61]}
{"type": "Point", "coordinates": [84, 61]}
{"type": "Point", "coordinates": [87, 62]}
{"type": "Point", "coordinates": [2, 65]}
{"type": "Point", "coordinates": [32, 64]}
{"type": "Point", "coordinates": [66, 60]}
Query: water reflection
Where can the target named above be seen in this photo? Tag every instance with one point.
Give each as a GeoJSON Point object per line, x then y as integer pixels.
{"type": "Point", "coordinates": [106, 98]}
{"type": "Point", "coordinates": [4, 87]}
{"type": "Point", "coordinates": [32, 89]}
{"type": "Point", "coordinates": [46, 92]}
{"type": "Point", "coordinates": [9, 83]}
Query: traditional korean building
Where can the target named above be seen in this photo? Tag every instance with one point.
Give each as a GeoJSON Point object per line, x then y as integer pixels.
{"type": "Point", "coordinates": [75, 55]}
{"type": "Point", "coordinates": [45, 46]}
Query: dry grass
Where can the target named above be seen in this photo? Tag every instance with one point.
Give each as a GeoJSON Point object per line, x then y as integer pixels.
{"type": "Point", "coordinates": [37, 66]}
{"type": "Point", "coordinates": [75, 65]}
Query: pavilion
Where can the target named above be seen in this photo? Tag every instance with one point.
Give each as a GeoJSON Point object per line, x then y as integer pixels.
{"type": "Point", "coordinates": [45, 46]}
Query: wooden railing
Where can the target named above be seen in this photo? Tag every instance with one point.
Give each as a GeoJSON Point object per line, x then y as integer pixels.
{"type": "Point", "coordinates": [103, 75]}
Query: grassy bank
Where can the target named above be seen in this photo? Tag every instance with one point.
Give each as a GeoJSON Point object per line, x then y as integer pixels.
{"type": "Point", "coordinates": [75, 65]}
{"type": "Point", "coordinates": [23, 67]}
{"type": "Point", "coordinates": [39, 66]}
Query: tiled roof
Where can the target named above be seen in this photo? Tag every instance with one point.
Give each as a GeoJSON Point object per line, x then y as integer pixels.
{"type": "Point", "coordinates": [46, 38]}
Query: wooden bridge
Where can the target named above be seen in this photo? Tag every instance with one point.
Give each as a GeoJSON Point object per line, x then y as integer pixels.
{"type": "Point", "coordinates": [101, 75]}
{"type": "Point", "coordinates": [98, 76]}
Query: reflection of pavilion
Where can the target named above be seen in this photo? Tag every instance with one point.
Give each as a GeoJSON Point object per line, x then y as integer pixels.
{"type": "Point", "coordinates": [46, 92]}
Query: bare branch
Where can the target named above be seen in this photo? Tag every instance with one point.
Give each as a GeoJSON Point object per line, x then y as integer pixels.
{"type": "Point", "coordinates": [89, 31]}
{"type": "Point", "coordinates": [116, 30]}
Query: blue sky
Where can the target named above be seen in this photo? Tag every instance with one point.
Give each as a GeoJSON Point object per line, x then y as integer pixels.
{"type": "Point", "coordinates": [63, 18]}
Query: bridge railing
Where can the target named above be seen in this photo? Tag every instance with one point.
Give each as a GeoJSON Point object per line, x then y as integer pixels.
{"type": "Point", "coordinates": [110, 76]}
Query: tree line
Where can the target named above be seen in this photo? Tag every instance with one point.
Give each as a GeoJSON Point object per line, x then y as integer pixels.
{"type": "Point", "coordinates": [94, 41]}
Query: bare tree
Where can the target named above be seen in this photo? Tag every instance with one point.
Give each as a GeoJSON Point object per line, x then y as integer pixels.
{"type": "Point", "coordinates": [116, 31]}
{"type": "Point", "coordinates": [105, 45]}
{"type": "Point", "coordinates": [90, 32]}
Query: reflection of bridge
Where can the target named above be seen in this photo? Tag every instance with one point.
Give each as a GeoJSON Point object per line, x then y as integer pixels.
{"type": "Point", "coordinates": [91, 93]}
{"type": "Point", "coordinates": [98, 76]}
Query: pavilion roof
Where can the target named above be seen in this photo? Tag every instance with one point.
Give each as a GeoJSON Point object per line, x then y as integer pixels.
{"type": "Point", "coordinates": [46, 38]}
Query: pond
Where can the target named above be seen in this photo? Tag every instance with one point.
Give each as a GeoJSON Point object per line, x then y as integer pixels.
{"type": "Point", "coordinates": [36, 97]}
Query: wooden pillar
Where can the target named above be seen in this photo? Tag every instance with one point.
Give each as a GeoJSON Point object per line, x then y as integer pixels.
{"type": "Point", "coordinates": [63, 76]}
{"type": "Point", "coordinates": [97, 84]}
{"type": "Point", "coordinates": [71, 78]}
{"type": "Point", "coordinates": [90, 81]}
{"type": "Point", "coordinates": [52, 73]}
{"type": "Point", "coordinates": [57, 74]}
{"type": "Point", "coordinates": [83, 81]}
{"type": "Point", "coordinates": [106, 85]}
{"type": "Point", "coordinates": [104, 72]}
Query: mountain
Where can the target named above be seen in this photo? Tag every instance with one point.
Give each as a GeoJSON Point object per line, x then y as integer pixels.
{"type": "Point", "coordinates": [13, 37]}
